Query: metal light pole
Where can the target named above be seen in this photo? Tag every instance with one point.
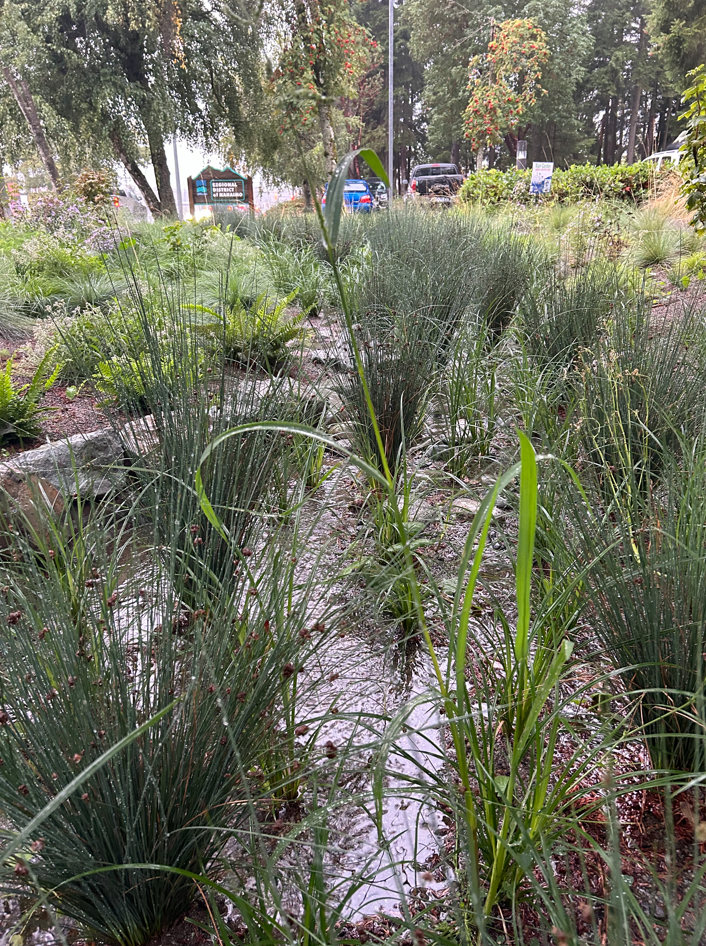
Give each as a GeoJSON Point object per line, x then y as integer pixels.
{"type": "Point", "coordinates": [390, 76]}
{"type": "Point", "coordinates": [180, 208]}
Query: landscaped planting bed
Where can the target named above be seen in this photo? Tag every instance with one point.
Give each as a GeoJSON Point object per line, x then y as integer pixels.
{"type": "Point", "coordinates": [376, 609]}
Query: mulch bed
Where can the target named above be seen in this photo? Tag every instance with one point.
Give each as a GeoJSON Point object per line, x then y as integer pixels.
{"type": "Point", "coordinates": [66, 416]}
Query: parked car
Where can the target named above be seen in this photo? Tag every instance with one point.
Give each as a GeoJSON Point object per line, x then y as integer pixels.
{"type": "Point", "coordinates": [663, 157]}
{"type": "Point", "coordinates": [379, 191]}
{"type": "Point", "coordinates": [437, 182]}
{"type": "Point", "coordinates": [357, 196]}
{"type": "Point", "coordinates": [671, 154]}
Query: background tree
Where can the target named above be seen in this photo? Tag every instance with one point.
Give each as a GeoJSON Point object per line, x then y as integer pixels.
{"type": "Point", "coordinates": [678, 27]}
{"type": "Point", "coordinates": [16, 61]}
{"type": "Point", "coordinates": [323, 54]}
{"type": "Point", "coordinates": [409, 120]}
{"type": "Point", "coordinates": [137, 72]}
{"type": "Point", "coordinates": [443, 40]}
{"type": "Point", "coordinates": [505, 84]}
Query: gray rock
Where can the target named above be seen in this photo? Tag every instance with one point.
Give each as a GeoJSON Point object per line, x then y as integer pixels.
{"type": "Point", "coordinates": [91, 464]}
{"type": "Point", "coordinates": [140, 437]}
{"type": "Point", "coordinates": [465, 507]}
{"type": "Point", "coordinates": [439, 451]}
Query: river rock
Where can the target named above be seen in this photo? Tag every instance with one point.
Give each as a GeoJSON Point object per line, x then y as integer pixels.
{"type": "Point", "coordinates": [91, 464]}
{"type": "Point", "coordinates": [465, 507]}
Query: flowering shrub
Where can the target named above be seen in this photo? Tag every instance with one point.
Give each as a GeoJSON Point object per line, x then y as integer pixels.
{"type": "Point", "coordinates": [325, 56]}
{"type": "Point", "coordinates": [94, 187]}
{"type": "Point", "coordinates": [70, 219]}
{"type": "Point", "coordinates": [49, 255]}
{"type": "Point", "coordinates": [575, 183]}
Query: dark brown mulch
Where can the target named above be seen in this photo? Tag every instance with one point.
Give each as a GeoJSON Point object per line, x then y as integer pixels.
{"type": "Point", "coordinates": [78, 415]}
{"type": "Point", "coordinates": [67, 416]}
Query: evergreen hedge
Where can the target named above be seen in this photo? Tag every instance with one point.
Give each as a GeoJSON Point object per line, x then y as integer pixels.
{"type": "Point", "coordinates": [578, 182]}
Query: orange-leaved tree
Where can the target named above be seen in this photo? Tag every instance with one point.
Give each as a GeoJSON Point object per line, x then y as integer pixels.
{"type": "Point", "coordinates": [505, 83]}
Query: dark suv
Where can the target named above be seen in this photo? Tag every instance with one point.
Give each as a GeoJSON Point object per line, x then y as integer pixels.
{"type": "Point", "coordinates": [437, 182]}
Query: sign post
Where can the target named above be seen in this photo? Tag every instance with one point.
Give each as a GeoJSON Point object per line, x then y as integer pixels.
{"type": "Point", "coordinates": [521, 158]}
{"type": "Point", "coordinates": [221, 188]}
{"type": "Point", "coordinates": [541, 182]}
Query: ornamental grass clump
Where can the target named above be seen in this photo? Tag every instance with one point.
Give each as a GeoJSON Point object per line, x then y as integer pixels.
{"type": "Point", "coordinates": [644, 594]}
{"type": "Point", "coordinates": [109, 627]}
{"type": "Point", "coordinates": [561, 316]}
{"type": "Point", "coordinates": [467, 398]}
{"type": "Point", "coordinates": [501, 275]}
{"type": "Point", "coordinates": [419, 269]}
{"type": "Point", "coordinates": [399, 369]}
{"type": "Point", "coordinates": [638, 393]}
{"type": "Point", "coordinates": [244, 478]}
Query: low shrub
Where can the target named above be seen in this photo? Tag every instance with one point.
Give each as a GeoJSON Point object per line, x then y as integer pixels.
{"type": "Point", "coordinates": [569, 185]}
{"type": "Point", "coordinates": [685, 271]}
{"type": "Point", "coordinates": [135, 384]}
{"type": "Point", "coordinates": [77, 343]}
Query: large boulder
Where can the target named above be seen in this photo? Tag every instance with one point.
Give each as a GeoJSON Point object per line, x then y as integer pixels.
{"type": "Point", "coordinates": [89, 464]}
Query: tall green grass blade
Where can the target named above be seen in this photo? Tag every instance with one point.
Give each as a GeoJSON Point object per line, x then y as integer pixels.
{"type": "Point", "coordinates": [334, 192]}
{"type": "Point", "coordinates": [525, 545]}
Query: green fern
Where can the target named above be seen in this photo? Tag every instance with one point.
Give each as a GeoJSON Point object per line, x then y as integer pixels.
{"type": "Point", "coordinates": [257, 333]}
{"type": "Point", "coordinates": [19, 406]}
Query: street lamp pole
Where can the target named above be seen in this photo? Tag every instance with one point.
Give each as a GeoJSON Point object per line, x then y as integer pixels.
{"type": "Point", "coordinates": [180, 208]}
{"type": "Point", "coordinates": [390, 77]}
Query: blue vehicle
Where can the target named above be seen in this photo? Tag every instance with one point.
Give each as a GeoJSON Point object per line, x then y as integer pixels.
{"type": "Point", "coordinates": [357, 196]}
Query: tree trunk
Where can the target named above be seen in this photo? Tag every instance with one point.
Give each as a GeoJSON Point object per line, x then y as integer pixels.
{"type": "Point", "coordinates": [637, 91]}
{"type": "Point", "coordinates": [479, 158]}
{"type": "Point", "coordinates": [455, 152]}
{"type": "Point", "coordinates": [650, 130]}
{"type": "Point", "coordinates": [135, 172]}
{"type": "Point", "coordinates": [634, 112]}
{"type": "Point", "coordinates": [306, 191]}
{"type": "Point", "coordinates": [620, 131]}
{"type": "Point", "coordinates": [664, 125]}
{"type": "Point", "coordinates": [328, 138]}
{"type": "Point", "coordinates": [158, 155]}
{"type": "Point", "coordinates": [601, 139]}
{"type": "Point", "coordinates": [25, 101]}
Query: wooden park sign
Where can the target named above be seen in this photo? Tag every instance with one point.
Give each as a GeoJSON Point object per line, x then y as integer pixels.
{"type": "Point", "coordinates": [224, 189]}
